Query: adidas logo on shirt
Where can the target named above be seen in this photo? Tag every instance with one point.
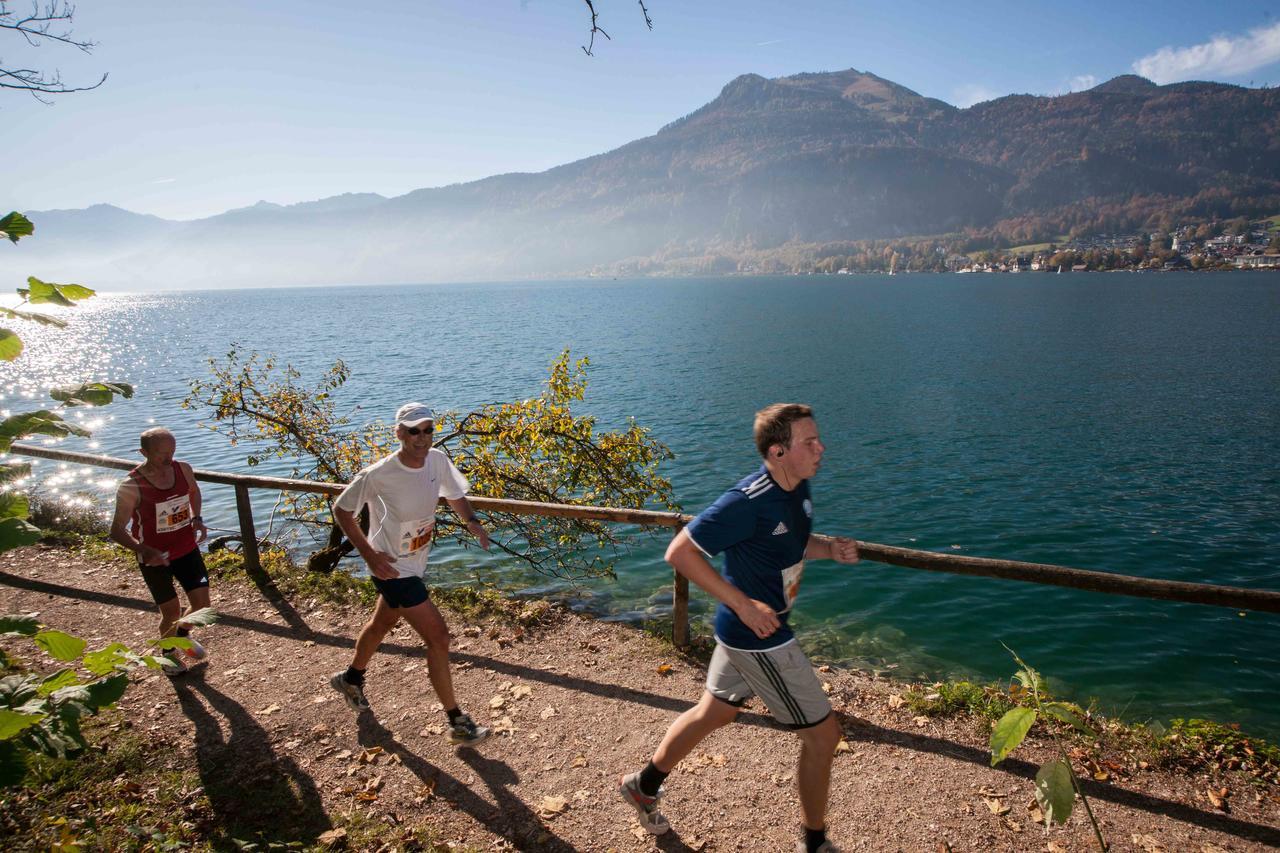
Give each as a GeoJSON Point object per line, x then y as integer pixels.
{"type": "Point", "coordinates": [780, 529]}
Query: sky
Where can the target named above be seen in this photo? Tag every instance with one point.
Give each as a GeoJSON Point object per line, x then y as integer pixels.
{"type": "Point", "coordinates": [210, 107]}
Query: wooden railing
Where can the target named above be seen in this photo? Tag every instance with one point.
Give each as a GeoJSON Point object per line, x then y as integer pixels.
{"type": "Point", "coordinates": [1239, 598]}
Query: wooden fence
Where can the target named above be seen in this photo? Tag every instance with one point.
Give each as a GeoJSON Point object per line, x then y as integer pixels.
{"type": "Point", "coordinates": [1238, 598]}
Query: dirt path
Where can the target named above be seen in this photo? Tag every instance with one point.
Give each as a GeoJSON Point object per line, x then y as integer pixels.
{"type": "Point", "coordinates": [574, 705]}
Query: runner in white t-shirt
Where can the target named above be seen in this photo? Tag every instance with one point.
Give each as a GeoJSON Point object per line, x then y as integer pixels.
{"type": "Point", "coordinates": [402, 491]}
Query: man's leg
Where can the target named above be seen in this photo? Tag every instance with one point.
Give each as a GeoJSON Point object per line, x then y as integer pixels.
{"type": "Point", "coordinates": [380, 623]}
{"type": "Point", "coordinates": [813, 774]}
{"type": "Point", "coordinates": [691, 728]}
{"type": "Point", "coordinates": [169, 612]}
{"type": "Point", "coordinates": [197, 599]}
{"type": "Point", "coordinates": [425, 618]}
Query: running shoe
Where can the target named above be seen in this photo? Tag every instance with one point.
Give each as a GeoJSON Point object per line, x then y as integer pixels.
{"type": "Point", "coordinates": [195, 655]}
{"type": "Point", "coordinates": [464, 732]}
{"type": "Point", "coordinates": [646, 807]}
{"type": "Point", "coordinates": [171, 664]}
{"type": "Point", "coordinates": [353, 693]}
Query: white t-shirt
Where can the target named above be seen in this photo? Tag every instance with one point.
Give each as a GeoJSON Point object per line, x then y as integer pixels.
{"type": "Point", "coordinates": [402, 505]}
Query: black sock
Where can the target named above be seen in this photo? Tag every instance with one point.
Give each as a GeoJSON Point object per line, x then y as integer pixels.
{"type": "Point", "coordinates": [813, 838]}
{"type": "Point", "coordinates": [651, 779]}
{"type": "Point", "coordinates": [354, 676]}
{"type": "Point", "coordinates": [454, 714]}
{"type": "Point", "coordinates": [183, 631]}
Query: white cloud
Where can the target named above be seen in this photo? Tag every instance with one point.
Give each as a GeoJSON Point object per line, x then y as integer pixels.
{"type": "Point", "coordinates": [164, 180]}
{"type": "Point", "coordinates": [1081, 82]}
{"type": "Point", "coordinates": [972, 93]}
{"type": "Point", "coordinates": [1221, 56]}
{"type": "Point", "coordinates": [767, 43]}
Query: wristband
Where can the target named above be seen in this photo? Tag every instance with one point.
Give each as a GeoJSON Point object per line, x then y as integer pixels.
{"type": "Point", "coordinates": [199, 519]}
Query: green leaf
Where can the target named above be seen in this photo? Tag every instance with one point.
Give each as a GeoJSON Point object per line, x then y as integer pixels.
{"type": "Point", "coordinates": [10, 345]}
{"type": "Point", "coordinates": [106, 660]}
{"type": "Point", "coordinates": [170, 643]}
{"type": "Point", "coordinates": [61, 678]}
{"type": "Point", "coordinates": [201, 618]}
{"type": "Point", "coordinates": [14, 471]}
{"type": "Point", "coordinates": [60, 645]}
{"type": "Point", "coordinates": [1064, 712]}
{"type": "Point", "coordinates": [91, 393]}
{"type": "Point", "coordinates": [14, 505]}
{"type": "Point", "coordinates": [24, 626]}
{"type": "Point", "coordinates": [66, 295]}
{"type": "Point", "coordinates": [17, 532]}
{"type": "Point", "coordinates": [13, 723]}
{"type": "Point", "coordinates": [15, 225]}
{"type": "Point", "coordinates": [1054, 792]}
{"type": "Point", "coordinates": [42, 422]}
{"type": "Point", "coordinates": [13, 764]}
{"type": "Point", "coordinates": [107, 691]}
{"type": "Point", "coordinates": [1009, 732]}
{"type": "Point", "coordinates": [45, 319]}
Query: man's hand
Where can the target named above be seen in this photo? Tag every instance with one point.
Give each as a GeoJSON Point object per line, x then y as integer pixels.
{"type": "Point", "coordinates": [476, 529]}
{"type": "Point", "coordinates": [758, 616]}
{"type": "Point", "coordinates": [152, 556]}
{"type": "Point", "coordinates": [381, 565]}
{"type": "Point", "coordinates": [844, 550]}
{"type": "Point", "coordinates": [202, 532]}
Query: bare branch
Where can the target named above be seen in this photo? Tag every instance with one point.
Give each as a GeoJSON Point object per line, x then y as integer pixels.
{"type": "Point", "coordinates": [648, 22]}
{"type": "Point", "coordinates": [49, 21]}
{"type": "Point", "coordinates": [595, 28]}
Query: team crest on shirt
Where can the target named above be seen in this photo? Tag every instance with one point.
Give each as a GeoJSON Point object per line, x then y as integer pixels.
{"type": "Point", "coordinates": [808, 507]}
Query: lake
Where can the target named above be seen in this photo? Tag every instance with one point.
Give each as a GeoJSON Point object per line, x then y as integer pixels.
{"type": "Point", "coordinates": [1118, 422]}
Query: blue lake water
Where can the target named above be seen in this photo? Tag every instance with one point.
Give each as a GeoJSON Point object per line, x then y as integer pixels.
{"type": "Point", "coordinates": [1120, 422]}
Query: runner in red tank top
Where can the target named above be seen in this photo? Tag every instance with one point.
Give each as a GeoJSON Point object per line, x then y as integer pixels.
{"type": "Point", "coordinates": [158, 518]}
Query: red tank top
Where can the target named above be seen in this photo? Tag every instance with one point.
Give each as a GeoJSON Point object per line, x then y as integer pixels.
{"type": "Point", "coordinates": [162, 519]}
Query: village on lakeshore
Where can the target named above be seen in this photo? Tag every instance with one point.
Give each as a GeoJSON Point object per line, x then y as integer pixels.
{"type": "Point", "coordinates": [1236, 244]}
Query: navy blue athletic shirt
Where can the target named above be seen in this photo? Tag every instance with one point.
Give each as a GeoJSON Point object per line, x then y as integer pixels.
{"type": "Point", "coordinates": [762, 530]}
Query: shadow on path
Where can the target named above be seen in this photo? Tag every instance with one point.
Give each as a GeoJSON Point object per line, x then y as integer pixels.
{"type": "Point", "coordinates": [266, 796]}
{"type": "Point", "coordinates": [856, 729]}
{"type": "Point", "coordinates": [510, 818]}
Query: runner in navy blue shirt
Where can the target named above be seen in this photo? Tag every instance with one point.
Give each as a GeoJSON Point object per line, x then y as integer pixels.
{"type": "Point", "coordinates": [763, 527]}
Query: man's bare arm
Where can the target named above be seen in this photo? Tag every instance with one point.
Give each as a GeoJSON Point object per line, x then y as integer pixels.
{"type": "Point", "coordinates": [381, 564]}
{"type": "Point", "coordinates": [463, 508]}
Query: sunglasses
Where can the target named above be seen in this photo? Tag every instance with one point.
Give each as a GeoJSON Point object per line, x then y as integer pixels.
{"type": "Point", "coordinates": [420, 430]}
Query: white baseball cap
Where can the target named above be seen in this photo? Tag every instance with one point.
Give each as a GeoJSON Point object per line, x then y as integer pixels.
{"type": "Point", "coordinates": [412, 414]}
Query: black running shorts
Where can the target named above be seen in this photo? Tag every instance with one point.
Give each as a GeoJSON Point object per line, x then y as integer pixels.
{"type": "Point", "coordinates": [188, 570]}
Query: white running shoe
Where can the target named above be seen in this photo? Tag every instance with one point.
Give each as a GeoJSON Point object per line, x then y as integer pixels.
{"type": "Point", "coordinates": [646, 807]}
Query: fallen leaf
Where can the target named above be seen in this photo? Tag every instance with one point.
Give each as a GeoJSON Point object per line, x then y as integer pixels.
{"type": "Point", "coordinates": [520, 691]}
{"type": "Point", "coordinates": [1054, 847]}
{"type": "Point", "coordinates": [826, 687]}
{"type": "Point", "coordinates": [426, 791]}
{"type": "Point", "coordinates": [1218, 796]}
{"type": "Point", "coordinates": [370, 755]}
{"type": "Point", "coordinates": [843, 746]}
{"type": "Point", "coordinates": [896, 701]}
{"type": "Point", "coordinates": [273, 708]}
{"type": "Point", "coordinates": [920, 721]}
{"type": "Point", "coordinates": [1011, 824]}
{"type": "Point", "coordinates": [344, 755]}
{"type": "Point", "coordinates": [580, 761]}
{"type": "Point", "coordinates": [997, 806]}
{"type": "Point", "coordinates": [547, 713]}
{"type": "Point", "coordinates": [665, 669]}
{"type": "Point", "coordinates": [497, 702]}
{"type": "Point", "coordinates": [494, 633]}
{"type": "Point", "coordinates": [333, 837]}
{"type": "Point", "coordinates": [552, 806]}
{"type": "Point", "coordinates": [1147, 843]}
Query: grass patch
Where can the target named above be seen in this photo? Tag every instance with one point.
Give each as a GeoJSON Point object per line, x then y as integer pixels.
{"type": "Point", "coordinates": [988, 702]}
{"type": "Point", "coordinates": [1196, 744]}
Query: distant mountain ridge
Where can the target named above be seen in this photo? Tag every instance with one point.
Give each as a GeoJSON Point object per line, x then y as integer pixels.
{"type": "Point", "coordinates": [794, 161]}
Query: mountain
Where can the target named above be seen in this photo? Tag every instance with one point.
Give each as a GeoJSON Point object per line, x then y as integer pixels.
{"type": "Point", "coordinates": [791, 162]}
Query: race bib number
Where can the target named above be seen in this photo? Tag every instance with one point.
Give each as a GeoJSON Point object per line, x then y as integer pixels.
{"type": "Point", "coordinates": [173, 514]}
{"type": "Point", "coordinates": [415, 536]}
{"type": "Point", "coordinates": [791, 582]}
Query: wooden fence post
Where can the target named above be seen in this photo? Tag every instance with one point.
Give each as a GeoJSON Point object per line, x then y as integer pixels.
{"type": "Point", "coordinates": [248, 537]}
{"type": "Point", "coordinates": [680, 613]}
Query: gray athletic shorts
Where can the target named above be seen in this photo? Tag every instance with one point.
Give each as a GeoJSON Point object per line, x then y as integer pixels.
{"type": "Point", "coordinates": [782, 677]}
